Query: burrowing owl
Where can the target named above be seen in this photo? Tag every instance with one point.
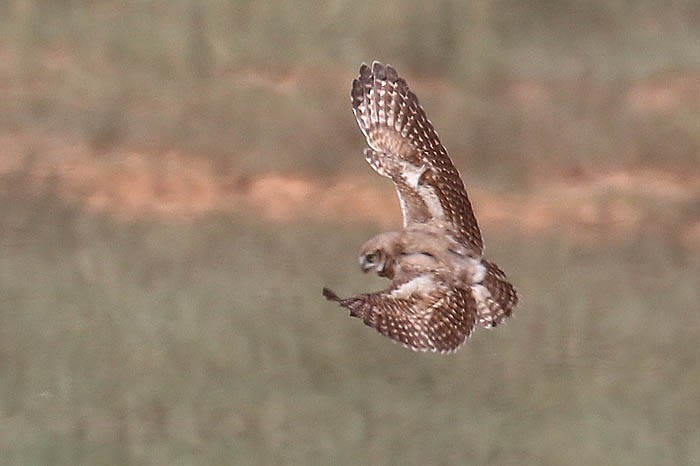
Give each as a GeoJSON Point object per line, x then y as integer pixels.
{"type": "Point", "coordinates": [440, 284]}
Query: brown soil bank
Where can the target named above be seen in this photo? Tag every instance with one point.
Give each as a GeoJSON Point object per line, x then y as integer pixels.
{"type": "Point", "coordinates": [183, 187]}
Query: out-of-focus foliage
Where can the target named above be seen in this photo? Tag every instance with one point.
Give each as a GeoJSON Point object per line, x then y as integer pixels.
{"type": "Point", "coordinates": [158, 341]}
{"type": "Point", "coordinates": [205, 343]}
{"type": "Point", "coordinates": [542, 84]}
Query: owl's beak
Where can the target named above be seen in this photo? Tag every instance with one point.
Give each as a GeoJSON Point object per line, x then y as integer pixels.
{"type": "Point", "coordinates": [364, 265]}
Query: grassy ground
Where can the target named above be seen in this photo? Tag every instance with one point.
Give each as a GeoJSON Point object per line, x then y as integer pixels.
{"type": "Point", "coordinates": [147, 342]}
{"type": "Point", "coordinates": [209, 343]}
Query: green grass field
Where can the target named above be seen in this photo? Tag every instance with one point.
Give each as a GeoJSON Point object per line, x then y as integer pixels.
{"type": "Point", "coordinates": [210, 343]}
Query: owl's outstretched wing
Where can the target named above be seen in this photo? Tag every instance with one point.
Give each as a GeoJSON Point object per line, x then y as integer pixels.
{"type": "Point", "coordinates": [419, 312]}
{"type": "Point", "coordinates": [405, 147]}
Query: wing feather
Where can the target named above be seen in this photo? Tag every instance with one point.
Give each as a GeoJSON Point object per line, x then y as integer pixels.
{"type": "Point", "coordinates": [403, 142]}
{"type": "Point", "coordinates": [418, 315]}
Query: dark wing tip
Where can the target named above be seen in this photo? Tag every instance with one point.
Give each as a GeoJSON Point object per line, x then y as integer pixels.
{"type": "Point", "coordinates": [379, 70]}
{"type": "Point", "coordinates": [357, 91]}
{"type": "Point", "coordinates": [330, 295]}
{"type": "Point", "coordinates": [391, 73]}
{"type": "Point", "coordinates": [365, 72]}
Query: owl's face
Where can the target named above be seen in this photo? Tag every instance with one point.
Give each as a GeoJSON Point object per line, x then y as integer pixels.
{"type": "Point", "coordinates": [373, 260]}
{"type": "Point", "coordinates": [376, 256]}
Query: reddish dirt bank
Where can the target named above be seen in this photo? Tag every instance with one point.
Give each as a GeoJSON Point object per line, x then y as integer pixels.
{"type": "Point", "coordinates": [182, 187]}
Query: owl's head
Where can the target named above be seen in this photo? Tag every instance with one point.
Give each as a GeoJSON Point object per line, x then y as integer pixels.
{"type": "Point", "coordinates": [376, 255]}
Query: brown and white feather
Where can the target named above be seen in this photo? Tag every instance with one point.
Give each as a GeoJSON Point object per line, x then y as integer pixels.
{"type": "Point", "coordinates": [500, 298]}
{"type": "Point", "coordinates": [419, 312]}
{"type": "Point", "coordinates": [405, 147]}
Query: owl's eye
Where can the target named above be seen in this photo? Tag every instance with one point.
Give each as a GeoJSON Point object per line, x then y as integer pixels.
{"type": "Point", "coordinates": [372, 257]}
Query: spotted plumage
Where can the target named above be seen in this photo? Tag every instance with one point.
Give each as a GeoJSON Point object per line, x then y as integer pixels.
{"type": "Point", "coordinates": [441, 286]}
{"type": "Point", "coordinates": [402, 144]}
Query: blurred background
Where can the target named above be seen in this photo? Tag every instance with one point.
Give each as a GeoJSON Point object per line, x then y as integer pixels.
{"type": "Point", "coordinates": [179, 179]}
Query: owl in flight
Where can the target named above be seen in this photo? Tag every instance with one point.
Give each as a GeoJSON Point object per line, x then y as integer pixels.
{"type": "Point", "coordinates": [441, 286]}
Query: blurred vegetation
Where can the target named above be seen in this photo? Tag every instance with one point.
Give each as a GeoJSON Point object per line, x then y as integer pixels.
{"type": "Point", "coordinates": [150, 342]}
{"type": "Point", "coordinates": [209, 343]}
{"type": "Point", "coordinates": [523, 86]}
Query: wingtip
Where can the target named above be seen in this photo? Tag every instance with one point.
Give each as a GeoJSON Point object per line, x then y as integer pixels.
{"type": "Point", "coordinates": [356, 92]}
{"type": "Point", "coordinates": [330, 295]}
{"type": "Point", "coordinates": [365, 71]}
{"type": "Point", "coordinates": [391, 73]}
{"type": "Point", "coordinates": [379, 70]}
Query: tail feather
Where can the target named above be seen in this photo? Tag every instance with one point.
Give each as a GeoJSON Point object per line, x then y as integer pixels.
{"type": "Point", "coordinates": [496, 297]}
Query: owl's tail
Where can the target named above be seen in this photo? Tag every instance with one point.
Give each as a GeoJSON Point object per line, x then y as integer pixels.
{"type": "Point", "coordinates": [498, 300]}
